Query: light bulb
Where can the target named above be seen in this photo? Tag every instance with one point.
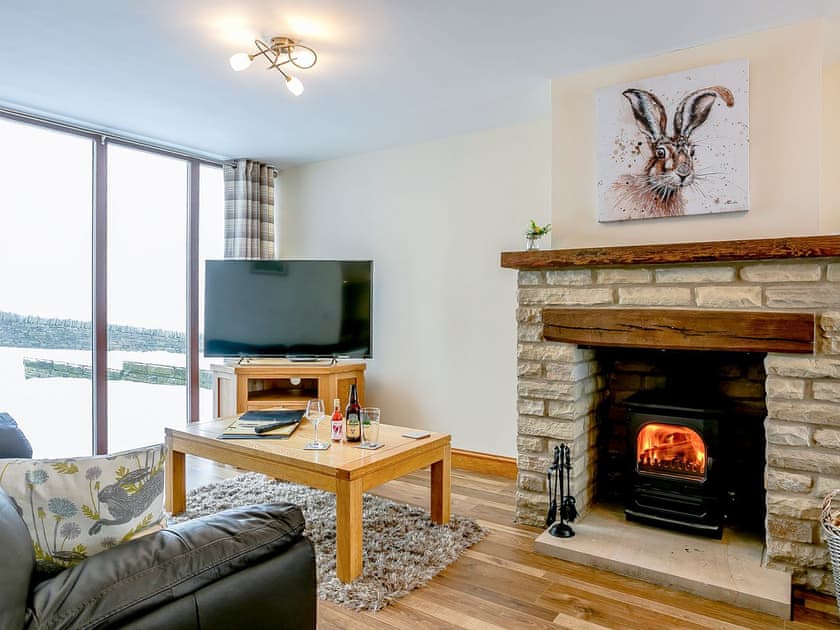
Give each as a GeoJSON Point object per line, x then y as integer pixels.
{"type": "Point", "coordinates": [240, 61]}
{"type": "Point", "coordinates": [295, 85]}
{"type": "Point", "coordinates": [303, 57]}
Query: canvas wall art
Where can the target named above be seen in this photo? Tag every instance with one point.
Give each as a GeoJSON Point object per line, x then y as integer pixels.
{"type": "Point", "coordinates": [674, 145]}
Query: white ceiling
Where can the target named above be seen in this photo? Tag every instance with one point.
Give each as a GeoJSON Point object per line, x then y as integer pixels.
{"type": "Point", "coordinates": [390, 72]}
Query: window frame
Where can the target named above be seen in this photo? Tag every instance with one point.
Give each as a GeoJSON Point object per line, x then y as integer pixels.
{"type": "Point", "coordinates": [99, 261]}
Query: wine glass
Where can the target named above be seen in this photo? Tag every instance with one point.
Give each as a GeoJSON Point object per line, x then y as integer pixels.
{"type": "Point", "coordinates": [315, 413]}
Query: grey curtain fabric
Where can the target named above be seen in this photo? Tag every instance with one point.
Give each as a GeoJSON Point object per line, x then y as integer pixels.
{"type": "Point", "coordinates": [249, 210]}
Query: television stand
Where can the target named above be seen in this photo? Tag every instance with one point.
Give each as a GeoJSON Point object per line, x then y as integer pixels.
{"type": "Point", "coordinates": [332, 361]}
{"type": "Point", "coordinates": [283, 385]}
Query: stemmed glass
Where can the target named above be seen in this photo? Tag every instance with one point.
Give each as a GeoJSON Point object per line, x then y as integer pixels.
{"type": "Point", "coordinates": [315, 413]}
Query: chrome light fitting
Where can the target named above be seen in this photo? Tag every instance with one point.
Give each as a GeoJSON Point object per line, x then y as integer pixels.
{"type": "Point", "coordinates": [280, 52]}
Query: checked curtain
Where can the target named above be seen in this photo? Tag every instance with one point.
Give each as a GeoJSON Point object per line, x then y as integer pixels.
{"type": "Point", "coordinates": [249, 210]}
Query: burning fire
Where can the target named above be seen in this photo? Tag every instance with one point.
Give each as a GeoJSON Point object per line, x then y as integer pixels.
{"type": "Point", "coordinates": [669, 448]}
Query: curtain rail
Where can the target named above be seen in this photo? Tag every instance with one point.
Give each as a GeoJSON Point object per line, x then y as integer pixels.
{"type": "Point", "coordinates": [103, 135]}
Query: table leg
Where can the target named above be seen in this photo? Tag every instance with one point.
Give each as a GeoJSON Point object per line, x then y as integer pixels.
{"type": "Point", "coordinates": [440, 487]}
{"type": "Point", "coordinates": [348, 530]}
{"type": "Point", "coordinates": [175, 480]}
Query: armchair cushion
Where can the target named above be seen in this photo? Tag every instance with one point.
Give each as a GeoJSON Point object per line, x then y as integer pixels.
{"type": "Point", "coordinates": [74, 508]}
{"type": "Point", "coordinates": [13, 442]}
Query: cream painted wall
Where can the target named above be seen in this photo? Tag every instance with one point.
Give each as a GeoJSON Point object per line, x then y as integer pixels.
{"type": "Point", "coordinates": [434, 217]}
{"type": "Point", "coordinates": [830, 198]}
{"type": "Point", "coordinates": [786, 104]}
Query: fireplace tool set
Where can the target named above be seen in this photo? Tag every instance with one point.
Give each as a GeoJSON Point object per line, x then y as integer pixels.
{"type": "Point", "coordinates": [560, 476]}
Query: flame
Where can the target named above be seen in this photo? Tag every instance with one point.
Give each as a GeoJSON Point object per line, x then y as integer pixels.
{"type": "Point", "coordinates": [671, 449]}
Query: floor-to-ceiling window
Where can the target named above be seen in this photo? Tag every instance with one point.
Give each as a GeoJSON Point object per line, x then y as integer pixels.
{"type": "Point", "coordinates": [147, 294]}
{"type": "Point", "coordinates": [47, 285]}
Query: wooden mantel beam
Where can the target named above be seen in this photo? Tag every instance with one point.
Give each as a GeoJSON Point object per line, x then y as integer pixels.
{"type": "Point", "coordinates": [682, 329]}
{"type": "Point", "coordinates": [675, 253]}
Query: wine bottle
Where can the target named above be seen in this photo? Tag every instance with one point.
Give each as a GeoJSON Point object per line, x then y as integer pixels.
{"type": "Point", "coordinates": [337, 422]}
{"type": "Point", "coordinates": [353, 417]}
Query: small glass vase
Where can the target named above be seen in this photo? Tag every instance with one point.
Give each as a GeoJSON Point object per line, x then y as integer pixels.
{"type": "Point", "coordinates": [532, 243]}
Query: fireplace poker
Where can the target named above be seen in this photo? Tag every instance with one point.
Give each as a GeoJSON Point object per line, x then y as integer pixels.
{"type": "Point", "coordinates": [553, 471]}
{"type": "Point", "coordinates": [568, 509]}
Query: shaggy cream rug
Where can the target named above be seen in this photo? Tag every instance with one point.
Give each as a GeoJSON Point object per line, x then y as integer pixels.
{"type": "Point", "coordinates": [402, 547]}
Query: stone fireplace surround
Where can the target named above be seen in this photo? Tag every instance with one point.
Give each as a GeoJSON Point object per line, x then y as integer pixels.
{"type": "Point", "coordinates": [560, 384]}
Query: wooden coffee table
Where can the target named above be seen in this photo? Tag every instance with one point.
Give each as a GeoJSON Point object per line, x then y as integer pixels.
{"type": "Point", "coordinates": [344, 470]}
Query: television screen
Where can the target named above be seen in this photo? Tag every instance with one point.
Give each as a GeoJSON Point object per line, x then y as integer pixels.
{"type": "Point", "coordinates": [288, 308]}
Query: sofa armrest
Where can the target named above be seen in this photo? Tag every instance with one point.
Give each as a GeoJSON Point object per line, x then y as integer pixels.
{"type": "Point", "coordinates": [17, 560]}
{"type": "Point", "coordinates": [144, 574]}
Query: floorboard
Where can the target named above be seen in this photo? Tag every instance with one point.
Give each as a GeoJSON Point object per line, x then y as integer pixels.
{"type": "Point", "coordinates": [501, 583]}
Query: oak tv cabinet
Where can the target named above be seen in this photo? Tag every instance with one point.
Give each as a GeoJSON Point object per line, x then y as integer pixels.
{"type": "Point", "coordinates": [283, 385]}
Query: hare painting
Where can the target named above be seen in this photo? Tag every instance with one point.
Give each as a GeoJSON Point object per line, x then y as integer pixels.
{"type": "Point", "coordinates": [669, 165]}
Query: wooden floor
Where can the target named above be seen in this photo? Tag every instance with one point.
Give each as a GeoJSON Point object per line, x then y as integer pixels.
{"type": "Point", "coordinates": [501, 583]}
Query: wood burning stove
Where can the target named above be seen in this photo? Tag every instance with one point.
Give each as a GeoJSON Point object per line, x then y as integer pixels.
{"type": "Point", "coordinates": [676, 473]}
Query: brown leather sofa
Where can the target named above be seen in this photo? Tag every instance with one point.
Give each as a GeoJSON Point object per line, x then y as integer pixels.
{"type": "Point", "coordinates": [248, 567]}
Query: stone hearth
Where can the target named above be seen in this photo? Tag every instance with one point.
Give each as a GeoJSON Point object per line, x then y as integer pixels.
{"type": "Point", "coordinates": [560, 385]}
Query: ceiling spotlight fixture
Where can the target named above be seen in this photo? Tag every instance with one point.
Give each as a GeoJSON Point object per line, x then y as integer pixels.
{"type": "Point", "coordinates": [281, 51]}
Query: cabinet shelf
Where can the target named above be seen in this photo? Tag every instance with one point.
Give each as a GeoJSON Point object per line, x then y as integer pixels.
{"type": "Point", "coordinates": [241, 388]}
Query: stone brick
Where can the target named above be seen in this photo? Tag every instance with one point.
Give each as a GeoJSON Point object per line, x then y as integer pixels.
{"type": "Point", "coordinates": [529, 368]}
{"type": "Point", "coordinates": [529, 332]}
{"type": "Point", "coordinates": [526, 315]}
{"type": "Point", "coordinates": [804, 411]}
{"type": "Point", "coordinates": [802, 367]}
{"type": "Point", "coordinates": [833, 272]}
{"type": "Point", "coordinates": [552, 351]}
{"type": "Point", "coordinates": [622, 276]}
{"type": "Point", "coordinates": [532, 482]}
{"type": "Point", "coordinates": [530, 278]}
{"type": "Point", "coordinates": [788, 481]}
{"type": "Point", "coordinates": [531, 444]}
{"type": "Point", "coordinates": [728, 297]}
{"type": "Point", "coordinates": [743, 389]}
{"type": "Point", "coordinates": [654, 382]}
{"type": "Point", "coordinates": [531, 407]}
{"type": "Point", "coordinates": [654, 296]}
{"type": "Point", "coordinates": [624, 381]}
{"type": "Point", "coordinates": [802, 459]}
{"type": "Point", "coordinates": [549, 428]}
{"type": "Point", "coordinates": [826, 390]}
{"type": "Point", "coordinates": [566, 296]}
{"type": "Point", "coordinates": [811, 296]}
{"type": "Point", "coordinates": [569, 277]}
{"type": "Point", "coordinates": [550, 390]}
{"type": "Point", "coordinates": [790, 529]}
{"type": "Point", "coordinates": [794, 507]}
{"type": "Point", "coordinates": [695, 275]}
{"type": "Point", "coordinates": [571, 410]}
{"type": "Point", "coordinates": [788, 434]}
{"type": "Point", "coordinates": [594, 384]}
{"type": "Point", "coordinates": [532, 502]}
{"type": "Point", "coordinates": [828, 345]}
{"type": "Point", "coordinates": [533, 463]}
{"type": "Point", "coordinates": [570, 371]}
{"type": "Point", "coordinates": [770, 272]}
{"type": "Point", "coordinates": [818, 580]}
{"type": "Point", "coordinates": [824, 485]}
{"type": "Point", "coordinates": [829, 321]}
{"type": "Point", "coordinates": [530, 517]}
{"type": "Point", "coordinates": [827, 438]}
{"type": "Point", "coordinates": [798, 554]}
{"type": "Point", "coordinates": [785, 388]}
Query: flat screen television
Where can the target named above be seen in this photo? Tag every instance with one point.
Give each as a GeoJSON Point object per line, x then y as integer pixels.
{"type": "Point", "coordinates": [288, 308]}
